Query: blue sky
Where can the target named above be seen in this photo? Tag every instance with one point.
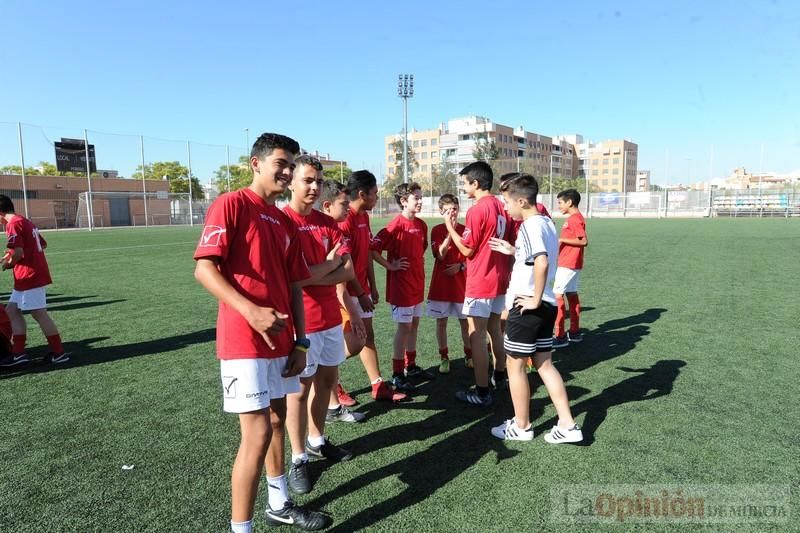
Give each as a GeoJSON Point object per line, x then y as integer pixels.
{"type": "Point", "coordinates": [682, 79]}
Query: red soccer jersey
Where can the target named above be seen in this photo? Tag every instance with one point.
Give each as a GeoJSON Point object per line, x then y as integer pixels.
{"type": "Point", "coordinates": [444, 288]}
{"type": "Point", "coordinates": [409, 239]}
{"type": "Point", "coordinates": [488, 272]}
{"type": "Point", "coordinates": [356, 229]}
{"type": "Point", "coordinates": [32, 271]}
{"type": "Point", "coordinates": [572, 256]}
{"type": "Point", "coordinates": [318, 234]}
{"type": "Point", "coordinates": [259, 255]}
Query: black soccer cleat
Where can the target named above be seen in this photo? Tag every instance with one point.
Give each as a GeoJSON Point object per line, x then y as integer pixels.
{"type": "Point", "coordinates": [294, 515]}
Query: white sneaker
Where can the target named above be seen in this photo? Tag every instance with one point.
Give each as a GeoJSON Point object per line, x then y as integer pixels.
{"type": "Point", "coordinates": [343, 414]}
{"type": "Point", "coordinates": [559, 435]}
{"type": "Point", "coordinates": [509, 430]}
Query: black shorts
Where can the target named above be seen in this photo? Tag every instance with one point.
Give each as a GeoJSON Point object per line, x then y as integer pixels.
{"type": "Point", "coordinates": [529, 332]}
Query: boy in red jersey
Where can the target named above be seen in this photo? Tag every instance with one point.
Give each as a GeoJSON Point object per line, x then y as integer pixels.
{"type": "Point", "coordinates": [404, 239]}
{"type": "Point", "coordinates": [250, 259]}
{"type": "Point", "coordinates": [362, 290]}
{"type": "Point", "coordinates": [488, 273]}
{"type": "Point", "coordinates": [334, 201]}
{"type": "Point", "coordinates": [31, 275]}
{"type": "Point", "coordinates": [571, 245]}
{"type": "Point", "coordinates": [446, 290]}
{"type": "Point", "coordinates": [328, 256]}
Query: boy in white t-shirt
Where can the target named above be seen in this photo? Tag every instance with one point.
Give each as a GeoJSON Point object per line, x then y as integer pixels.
{"type": "Point", "coordinates": [532, 313]}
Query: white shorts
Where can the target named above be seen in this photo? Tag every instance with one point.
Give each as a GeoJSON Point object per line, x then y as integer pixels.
{"type": "Point", "coordinates": [566, 280]}
{"type": "Point", "coordinates": [361, 312]}
{"type": "Point", "coordinates": [405, 315]}
{"type": "Point", "coordinates": [439, 309]}
{"type": "Point", "coordinates": [484, 307]}
{"type": "Point", "coordinates": [249, 384]}
{"type": "Point", "coordinates": [327, 349]}
{"type": "Point", "coordinates": [29, 300]}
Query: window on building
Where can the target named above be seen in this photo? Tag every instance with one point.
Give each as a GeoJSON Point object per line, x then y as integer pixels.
{"type": "Point", "coordinates": [416, 144]}
{"type": "Point", "coordinates": [616, 160]}
{"type": "Point", "coordinates": [434, 154]}
{"type": "Point", "coordinates": [391, 158]}
{"type": "Point", "coordinates": [615, 170]}
{"type": "Point", "coordinates": [520, 153]}
{"type": "Point", "coordinates": [424, 168]}
{"type": "Point", "coordinates": [391, 170]}
{"type": "Point", "coordinates": [465, 137]}
{"type": "Point", "coordinates": [423, 155]}
{"type": "Point", "coordinates": [433, 142]}
{"type": "Point", "coordinates": [423, 142]}
{"type": "Point", "coordinates": [605, 161]}
{"type": "Point", "coordinates": [605, 171]}
{"type": "Point", "coordinates": [604, 182]}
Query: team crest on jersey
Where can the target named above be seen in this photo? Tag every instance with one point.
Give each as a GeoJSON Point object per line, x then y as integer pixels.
{"type": "Point", "coordinates": [211, 235]}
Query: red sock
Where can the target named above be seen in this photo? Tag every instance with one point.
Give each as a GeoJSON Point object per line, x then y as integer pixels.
{"type": "Point", "coordinates": [397, 366]}
{"type": "Point", "coordinates": [54, 342]}
{"type": "Point", "coordinates": [411, 358]}
{"type": "Point", "coordinates": [467, 353]}
{"type": "Point", "coordinates": [560, 314]}
{"type": "Point", "coordinates": [18, 344]}
{"type": "Point", "coordinates": [443, 352]}
{"type": "Point", "coordinates": [574, 312]}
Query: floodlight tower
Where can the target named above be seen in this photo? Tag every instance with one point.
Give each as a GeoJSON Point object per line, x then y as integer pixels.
{"type": "Point", "coordinates": [405, 90]}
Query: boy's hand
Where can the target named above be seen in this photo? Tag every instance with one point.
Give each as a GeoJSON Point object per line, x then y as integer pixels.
{"type": "Point", "coordinates": [295, 363]}
{"type": "Point", "coordinates": [267, 321]}
{"type": "Point", "coordinates": [366, 303]}
{"type": "Point", "coordinates": [376, 297]}
{"type": "Point", "coordinates": [452, 269]}
{"type": "Point", "coordinates": [499, 245]}
{"type": "Point", "coordinates": [358, 327]}
{"type": "Point", "coordinates": [332, 254]}
{"type": "Point", "coordinates": [527, 303]}
{"type": "Point", "coordinates": [399, 264]}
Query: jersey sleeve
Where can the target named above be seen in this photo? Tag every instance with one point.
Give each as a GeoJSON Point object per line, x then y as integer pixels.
{"type": "Point", "coordinates": [424, 237]}
{"type": "Point", "coordinates": [14, 237]}
{"type": "Point", "coordinates": [579, 228]}
{"type": "Point", "coordinates": [337, 236]}
{"type": "Point", "coordinates": [472, 227]}
{"type": "Point", "coordinates": [531, 240]}
{"type": "Point", "coordinates": [218, 230]}
{"type": "Point", "coordinates": [295, 260]}
{"type": "Point", "coordinates": [382, 240]}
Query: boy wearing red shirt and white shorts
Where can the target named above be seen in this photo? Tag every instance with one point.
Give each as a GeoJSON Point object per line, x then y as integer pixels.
{"type": "Point", "coordinates": [446, 290]}
{"type": "Point", "coordinates": [405, 240]}
{"type": "Point", "coordinates": [571, 245]}
{"type": "Point", "coordinates": [250, 259]}
{"type": "Point", "coordinates": [488, 273]}
{"type": "Point", "coordinates": [31, 275]}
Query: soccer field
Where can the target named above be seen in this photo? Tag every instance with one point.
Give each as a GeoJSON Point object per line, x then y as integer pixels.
{"type": "Point", "coordinates": [687, 376]}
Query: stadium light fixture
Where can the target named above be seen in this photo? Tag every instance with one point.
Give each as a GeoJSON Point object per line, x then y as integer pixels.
{"type": "Point", "coordinates": [405, 90]}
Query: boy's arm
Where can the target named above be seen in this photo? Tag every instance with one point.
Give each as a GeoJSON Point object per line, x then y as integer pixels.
{"type": "Point", "coordinates": [376, 296]}
{"type": "Point", "coordinates": [342, 274]}
{"type": "Point", "coordinates": [456, 239]}
{"type": "Point", "coordinates": [14, 258]}
{"type": "Point", "coordinates": [296, 361]}
{"type": "Point", "coordinates": [265, 320]}
{"type": "Point", "coordinates": [580, 242]}
{"type": "Point", "coordinates": [355, 314]}
{"type": "Point", "coordinates": [397, 264]}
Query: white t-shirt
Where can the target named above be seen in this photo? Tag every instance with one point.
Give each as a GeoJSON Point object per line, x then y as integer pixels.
{"type": "Point", "coordinates": [537, 236]}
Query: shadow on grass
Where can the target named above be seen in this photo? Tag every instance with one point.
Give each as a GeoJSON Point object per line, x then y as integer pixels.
{"type": "Point", "coordinates": [467, 441]}
{"type": "Point", "coordinates": [651, 383]}
{"type": "Point", "coordinates": [56, 301]}
{"type": "Point", "coordinates": [82, 353]}
{"type": "Point", "coordinates": [611, 339]}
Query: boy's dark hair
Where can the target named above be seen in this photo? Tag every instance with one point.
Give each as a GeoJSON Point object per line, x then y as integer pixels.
{"type": "Point", "coordinates": [310, 160]}
{"type": "Point", "coordinates": [360, 181]}
{"type": "Point", "coordinates": [447, 199]}
{"type": "Point", "coordinates": [6, 205]}
{"type": "Point", "coordinates": [521, 186]}
{"type": "Point", "coordinates": [572, 195]}
{"type": "Point", "coordinates": [267, 142]}
{"type": "Point", "coordinates": [331, 189]}
{"type": "Point", "coordinates": [404, 190]}
{"type": "Point", "coordinates": [509, 175]}
{"type": "Point", "coordinates": [481, 172]}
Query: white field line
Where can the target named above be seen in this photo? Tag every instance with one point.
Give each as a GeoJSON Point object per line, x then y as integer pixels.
{"type": "Point", "coordinates": [89, 250]}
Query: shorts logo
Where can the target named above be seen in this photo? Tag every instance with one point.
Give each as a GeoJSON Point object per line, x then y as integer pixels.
{"type": "Point", "coordinates": [229, 384]}
{"type": "Point", "coordinates": [211, 236]}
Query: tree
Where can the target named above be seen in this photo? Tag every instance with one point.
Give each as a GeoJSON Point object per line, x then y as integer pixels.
{"type": "Point", "coordinates": [43, 168]}
{"type": "Point", "coordinates": [337, 173]}
{"type": "Point", "coordinates": [397, 148]}
{"type": "Point", "coordinates": [241, 175]}
{"type": "Point", "coordinates": [175, 174]}
{"type": "Point", "coordinates": [485, 149]}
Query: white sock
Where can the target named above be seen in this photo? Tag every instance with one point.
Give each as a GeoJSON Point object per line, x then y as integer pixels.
{"type": "Point", "coordinates": [316, 441]}
{"type": "Point", "coordinates": [334, 407]}
{"type": "Point", "coordinates": [377, 381]}
{"type": "Point", "coordinates": [277, 492]}
{"type": "Point", "coordinates": [302, 457]}
{"type": "Point", "coordinates": [242, 527]}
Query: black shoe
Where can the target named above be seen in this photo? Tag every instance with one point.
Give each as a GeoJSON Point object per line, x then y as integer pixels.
{"type": "Point", "coordinates": [293, 514]}
{"type": "Point", "coordinates": [299, 480]}
{"type": "Point", "coordinates": [14, 360]}
{"type": "Point", "coordinates": [329, 450]}
{"type": "Point", "coordinates": [417, 372]}
{"type": "Point", "coordinates": [401, 383]}
{"type": "Point", "coordinates": [58, 359]}
{"type": "Point", "coordinates": [499, 381]}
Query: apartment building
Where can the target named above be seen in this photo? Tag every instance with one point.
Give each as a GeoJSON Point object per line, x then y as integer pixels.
{"type": "Point", "coordinates": [610, 166]}
{"type": "Point", "coordinates": [643, 180]}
